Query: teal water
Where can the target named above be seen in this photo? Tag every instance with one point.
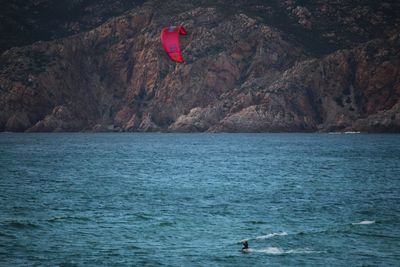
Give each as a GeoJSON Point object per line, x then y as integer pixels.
{"type": "Point", "coordinates": [188, 199]}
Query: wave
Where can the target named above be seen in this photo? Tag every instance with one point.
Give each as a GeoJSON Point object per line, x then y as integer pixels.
{"type": "Point", "coordinates": [144, 216]}
{"type": "Point", "coordinates": [256, 222]}
{"type": "Point", "coordinates": [6, 235]}
{"type": "Point", "coordinates": [281, 251]}
{"type": "Point", "coordinates": [271, 235]}
{"type": "Point", "coordinates": [166, 223]}
{"type": "Point", "coordinates": [22, 224]}
{"type": "Point", "coordinates": [363, 223]}
{"type": "Point", "coordinates": [65, 218]}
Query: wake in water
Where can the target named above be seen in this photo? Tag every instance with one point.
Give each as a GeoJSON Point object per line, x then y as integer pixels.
{"type": "Point", "coordinates": [271, 235]}
{"type": "Point", "coordinates": [364, 223]}
{"type": "Point", "coordinates": [281, 251]}
{"type": "Point", "coordinates": [262, 237]}
{"type": "Point", "coordinates": [275, 250]}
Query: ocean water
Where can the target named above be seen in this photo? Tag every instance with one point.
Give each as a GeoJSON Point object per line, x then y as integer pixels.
{"type": "Point", "coordinates": [189, 199]}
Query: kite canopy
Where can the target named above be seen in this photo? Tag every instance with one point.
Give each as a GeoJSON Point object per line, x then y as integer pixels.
{"type": "Point", "coordinates": [170, 42]}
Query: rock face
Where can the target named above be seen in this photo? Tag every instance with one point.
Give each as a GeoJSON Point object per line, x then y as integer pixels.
{"type": "Point", "coordinates": [249, 67]}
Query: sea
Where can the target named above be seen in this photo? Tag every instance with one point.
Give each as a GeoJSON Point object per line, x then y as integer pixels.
{"type": "Point", "coordinates": [167, 199]}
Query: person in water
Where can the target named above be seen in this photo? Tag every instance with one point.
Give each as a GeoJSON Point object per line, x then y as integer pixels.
{"type": "Point", "coordinates": [245, 245]}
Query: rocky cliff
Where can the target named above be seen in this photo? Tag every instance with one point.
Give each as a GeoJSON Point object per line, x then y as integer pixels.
{"type": "Point", "coordinates": [250, 66]}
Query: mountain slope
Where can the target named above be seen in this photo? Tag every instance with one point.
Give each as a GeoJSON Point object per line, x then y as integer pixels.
{"type": "Point", "coordinates": [250, 67]}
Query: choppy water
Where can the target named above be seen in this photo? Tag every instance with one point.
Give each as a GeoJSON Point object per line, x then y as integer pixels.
{"type": "Point", "coordinates": [188, 199]}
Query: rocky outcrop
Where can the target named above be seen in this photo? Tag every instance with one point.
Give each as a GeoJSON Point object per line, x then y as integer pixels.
{"type": "Point", "coordinates": [60, 120]}
{"type": "Point", "coordinates": [244, 71]}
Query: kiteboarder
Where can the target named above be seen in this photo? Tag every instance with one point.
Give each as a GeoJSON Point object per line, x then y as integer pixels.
{"type": "Point", "coordinates": [245, 245]}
